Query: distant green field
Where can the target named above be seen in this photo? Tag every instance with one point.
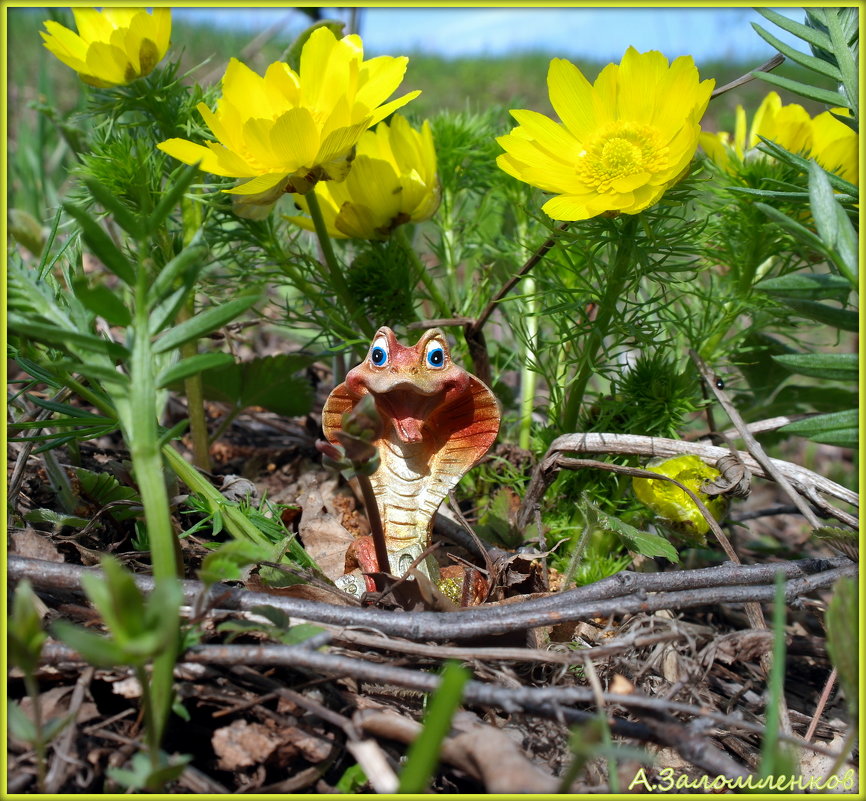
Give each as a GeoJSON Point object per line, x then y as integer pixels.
{"type": "Point", "coordinates": [517, 81]}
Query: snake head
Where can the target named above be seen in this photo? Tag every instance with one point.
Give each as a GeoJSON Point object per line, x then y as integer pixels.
{"type": "Point", "coordinates": [409, 384]}
{"type": "Point", "coordinates": [438, 422]}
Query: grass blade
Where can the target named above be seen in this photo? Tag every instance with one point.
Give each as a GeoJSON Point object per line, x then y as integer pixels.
{"type": "Point", "coordinates": [423, 756]}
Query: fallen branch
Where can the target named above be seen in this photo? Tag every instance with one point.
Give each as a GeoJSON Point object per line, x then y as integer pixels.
{"type": "Point", "coordinates": [622, 594]}
{"type": "Point", "coordinates": [806, 482]}
{"type": "Point", "coordinates": [571, 657]}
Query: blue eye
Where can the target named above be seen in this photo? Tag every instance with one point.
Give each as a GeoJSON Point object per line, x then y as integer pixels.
{"type": "Point", "coordinates": [435, 356]}
{"type": "Point", "coordinates": [379, 352]}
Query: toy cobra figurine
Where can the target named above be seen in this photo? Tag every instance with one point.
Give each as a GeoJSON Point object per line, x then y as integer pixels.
{"type": "Point", "coordinates": [439, 422]}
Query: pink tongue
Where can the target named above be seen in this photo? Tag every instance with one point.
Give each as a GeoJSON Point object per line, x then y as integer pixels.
{"type": "Point", "coordinates": [408, 428]}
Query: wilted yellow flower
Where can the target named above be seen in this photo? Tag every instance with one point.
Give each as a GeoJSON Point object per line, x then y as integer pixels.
{"type": "Point", "coordinates": [622, 141]}
{"type": "Point", "coordinates": [673, 505]}
{"type": "Point", "coordinates": [287, 130]}
{"type": "Point", "coordinates": [113, 46]}
{"type": "Point", "coordinates": [829, 141]}
{"type": "Point", "coordinates": [393, 181]}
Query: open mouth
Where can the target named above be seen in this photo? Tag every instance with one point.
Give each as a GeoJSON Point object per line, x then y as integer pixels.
{"type": "Point", "coordinates": [408, 410]}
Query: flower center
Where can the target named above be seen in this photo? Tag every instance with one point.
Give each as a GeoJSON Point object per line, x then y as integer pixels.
{"type": "Point", "coordinates": [620, 150]}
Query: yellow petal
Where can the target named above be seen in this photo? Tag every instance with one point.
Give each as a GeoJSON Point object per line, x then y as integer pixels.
{"type": "Point", "coordinates": [324, 69]}
{"type": "Point", "coordinates": [792, 129]}
{"type": "Point", "coordinates": [714, 145]}
{"type": "Point", "coordinates": [327, 206]}
{"type": "Point", "coordinates": [763, 117]}
{"type": "Point", "coordinates": [398, 144]}
{"type": "Point", "coordinates": [245, 89]}
{"type": "Point", "coordinates": [190, 153]}
{"type": "Point", "coordinates": [161, 29]}
{"type": "Point", "coordinates": [834, 149]}
{"type": "Point", "coordinates": [215, 123]}
{"type": "Point", "coordinates": [605, 96]}
{"type": "Point", "coordinates": [544, 130]}
{"type": "Point", "coordinates": [258, 149]}
{"type": "Point", "coordinates": [307, 224]}
{"type": "Point", "coordinates": [642, 82]}
{"type": "Point", "coordinates": [378, 79]}
{"type": "Point", "coordinates": [740, 132]}
{"type": "Point", "coordinates": [628, 183]}
{"type": "Point", "coordinates": [682, 149]}
{"type": "Point", "coordinates": [679, 91]}
{"type": "Point", "coordinates": [259, 184]}
{"type": "Point", "coordinates": [377, 185]}
{"type": "Point", "coordinates": [108, 63]}
{"type": "Point", "coordinates": [122, 17]}
{"type": "Point", "coordinates": [568, 208]}
{"type": "Point", "coordinates": [340, 116]}
{"type": "Point", "coordinates": [92, 25]}
{"type": "Point", "coordinates": [64, 43]}
{"type": "Point", "coordinates": [294, 139]}
{"type": "Point", "coordinates": [546, 170]}
{"type": "Point", "coordinates": [359, 222]}
{"type": "Point", "coordinates": [338, 144]}
{"type": "Point", "coordinates": [129, 42]}
{"type": "Point", "coordinates": [282, 86]}
{"type": "Point", "coordinates": [383, 111]}
{"type": "Point", "coordinates": [571, 96]}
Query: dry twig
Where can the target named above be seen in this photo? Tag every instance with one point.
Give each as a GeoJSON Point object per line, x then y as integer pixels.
{"type": "Point", "coordinates": [753, 445]}
{"type": "Point", "coordinates": [808, 483]}
{"type": "Point", "coordinates": [622, 594]}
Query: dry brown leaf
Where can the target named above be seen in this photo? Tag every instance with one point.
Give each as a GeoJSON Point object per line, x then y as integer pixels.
{"type": "Point", "coordinates": [321, 530]}
{"type": "Point", "coordinates": [127, 688]}
{"type": "Point", "coordinates": [307, 592]}
{"type": "Point", "coordinates": [242, 744]}
{"type": "Point", "coordinates": [482, 751]}
{"type": "Point", "coordinates": [621, 685]}
{"type": "Point", "coordinates": [313, 748]}
{"type": "Point", "coordinates": [818, 766]}
{"type": "Point", "coordinates": [55, 703]}
{"type": "Point", "coordinates": [738, 646]}
{"type": "Point", "coordinates": [32, 544]}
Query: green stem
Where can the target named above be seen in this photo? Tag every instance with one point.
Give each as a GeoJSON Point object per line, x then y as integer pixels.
{"type": "Point", "coordinates": [607, 307]}
{"type": "Point", "coordinates": [335, 273]}
{"type": "Point", "coordinates": [448, 241]}
{"type": "Point", "coordinates": [59, 481]}
{"type": "Point", "coordinates": [143, 440]}
{"type": "Point", "coordinates": [528, 377]}
{"type": "Point", "coordinates": [195, 398]}
{"type": "Point", "coordinates": [236, 521]}
{"type": "Point", "coordinates": [442, 306]}
{"type": "Point", "coordinates": [769, 748]}
{"type": "Point", "coordinates": [32, 688]}
{"type": "Point", "coordinates": [424, 753]}
{"type": "Point", "coordinates": [91, 397]}
{"type": "Point", "coordinates": [149, 722]}
{"type": "Point", "coordinates": [193, 386]}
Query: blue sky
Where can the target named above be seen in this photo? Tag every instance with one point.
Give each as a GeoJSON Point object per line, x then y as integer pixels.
{"type": "Point", "coordinates": [707, 33]}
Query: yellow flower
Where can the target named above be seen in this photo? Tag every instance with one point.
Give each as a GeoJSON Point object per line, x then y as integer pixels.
{"type": "Point", "coordinates": [113, 46]}
{"type": "Point", "coordinates": [288, 130]}
{"type": "Point", "coordinates": [393, 181]}
{"type": "Point", "coordinates": [673, 505]}
{"type": "Point", "coordinates": [824, 138]}
{"type": "Point", "coordinates": [622, 141]}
